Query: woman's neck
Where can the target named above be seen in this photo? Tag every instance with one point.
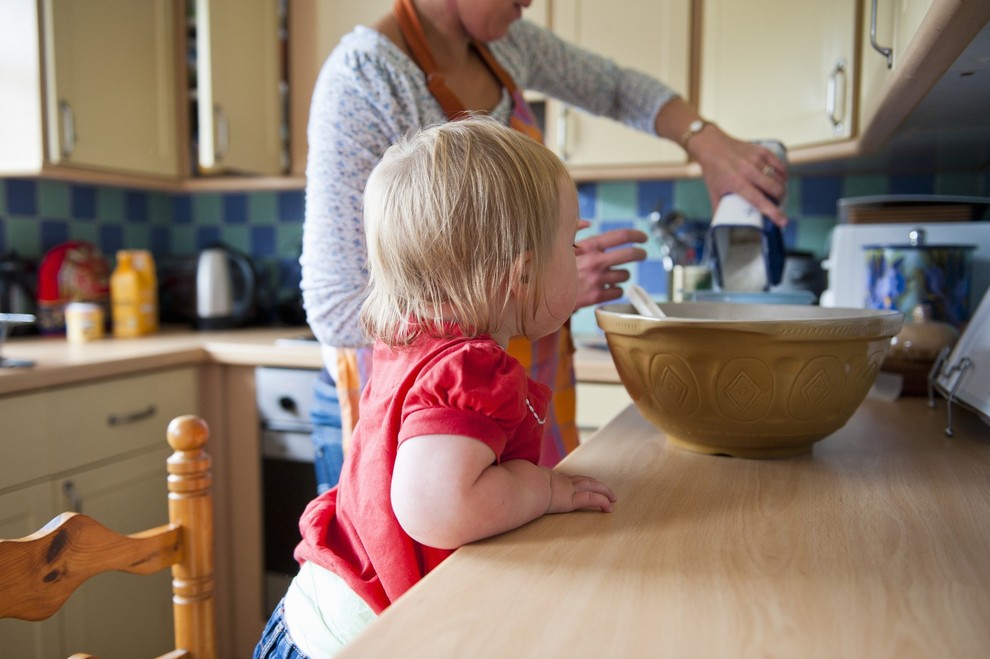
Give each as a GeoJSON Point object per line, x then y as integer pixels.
{"type": "Point", "coordinates": [449, 43]}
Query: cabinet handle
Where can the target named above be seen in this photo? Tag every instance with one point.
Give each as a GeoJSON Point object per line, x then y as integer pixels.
{"type": "Point", "coordinates": [131, 417]}
{"type": "Point", "coordinates": [832, 105]}
{"type": "Point", "coordinates": [68, 128]}
{"type": "Point", "coordinates": [562, 133]}
{"type": "Point", "coordinates": [223, 133]}
{"type": "Point", "coordinates": [886, 52]}
{"type": "Point", "coordinates": [75, 501]}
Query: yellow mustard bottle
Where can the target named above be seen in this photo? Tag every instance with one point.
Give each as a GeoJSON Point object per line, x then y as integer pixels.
{"type": "Point", "coordinates": [125, 294]}
{"type": "Point", "coordinates": [144, 263]}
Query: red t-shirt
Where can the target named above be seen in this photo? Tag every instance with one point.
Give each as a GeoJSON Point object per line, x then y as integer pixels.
{"type": "Point", "coordinates": [459, 386]}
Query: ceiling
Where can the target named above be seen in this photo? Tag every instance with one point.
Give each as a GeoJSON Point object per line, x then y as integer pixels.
{"type": "Point", "coordinates": [948, 130]}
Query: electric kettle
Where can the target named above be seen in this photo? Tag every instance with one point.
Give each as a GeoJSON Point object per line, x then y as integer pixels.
{"type": "Point", "coordinates": [225, 289]}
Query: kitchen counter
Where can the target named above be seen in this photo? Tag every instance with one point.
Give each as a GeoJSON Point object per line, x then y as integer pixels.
{"type": "Point", "coordinates": [875, 545]}
{"type": "Point", "coordinates": [58, 362]}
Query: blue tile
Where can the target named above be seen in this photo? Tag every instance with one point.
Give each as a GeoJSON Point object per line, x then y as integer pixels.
{"type": "Point", "coordinates": [207, 237]}
{"type": "Point", "coordinates": [136, 207]}
{"type": "Point", "coordinates": [588, 200]}
{"type": "Point", "coordinates": [912, 184]}
{"type": "Point", "coordinates": [290, 206]}
{"type": "Point", "coordinates": [609, 225]}
{"type": "Point", "coordinates": [235, 208]}
{"type": "Point", "coordinates": [819, 194]}
{"type": "Point", "coordinates": [160, 243]}
{"type": "Point", "coordinates": [53, 232]}
{"type": "Point", "coordinates": [22, 196]}
{"type": "Point", "coordinates": [182, 209]}
{"type": "Point", "coordinates": [3, 236]}
{"type": "Point", "coordinates": [82, 202]}
{"type": "Point", "coordinates": [289, 274]}
{"type": "Point", "coordinates": [652, 277]}
{"type": "Point", "coordinates": [111, 239]}
{"type": "Point", "coordinates": [263, 241]}
{"type": "Point", "coordinates": [651, 193]}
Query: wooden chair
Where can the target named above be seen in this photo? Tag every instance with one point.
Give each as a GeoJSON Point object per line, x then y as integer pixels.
{"type": "Point", "coordinates": [39, 572]}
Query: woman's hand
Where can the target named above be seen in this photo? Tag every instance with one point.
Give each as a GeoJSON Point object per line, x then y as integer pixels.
{"type": "Point", "coordinates": [749, 170]}
{"type": "Point", "coordinates": [597, 256]}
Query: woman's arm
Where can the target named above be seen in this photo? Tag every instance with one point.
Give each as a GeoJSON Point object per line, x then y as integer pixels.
{"type": "Point", "coordinates": [447, 491]}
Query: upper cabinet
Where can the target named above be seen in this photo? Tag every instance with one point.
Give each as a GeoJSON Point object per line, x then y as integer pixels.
{"type": "Point", "coordinates": [240, 89]}
{"type": "Point", "coordinates": [780, 69]}
{"type": "Point", "coordinates": [111, 86]}
{"type": "Point", "coordinates": [888, 28]}
{"type": "Point", "coordinates": [653, 37]}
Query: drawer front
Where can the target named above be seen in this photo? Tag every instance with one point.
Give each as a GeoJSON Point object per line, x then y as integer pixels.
{"type": "Point", "coordinates": [24, 431]}
{"type": "Point", "coordinates": [112, 418]}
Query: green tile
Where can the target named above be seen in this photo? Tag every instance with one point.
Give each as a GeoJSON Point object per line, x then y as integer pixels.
{"type": "Point", "coordinates": [110, 205]}
{"type": "Point", "coordinates": [207, 210]}
{"type": "Point", "coordinates": [865, 185]}
{"type": "Point", "coordinates": [137, 236]}
{"type": "Point", "coordinates": [183, 240]}
{"type": "Point", "coordinates": [691, 198]}
{"type": "Point", "coordinates": [967, 184]}
{"type": "Point", "coordinates": [238, 237]}
{"type": "Point", "coordinates": [813, 234]}
{"type": "Point", "coordinates": [617, 200]}
{"type": "Point", "coordinates": [53, 199]}
{"type": "Point", "coordinates": [288, 239]}
{"type": "Point", "coordinates": [159, 208]}
{"type": "Point", "coordinates": [88, 231]}
{"type": "Point", "coordinates": [262, 208]}
{"type": "Point", "coordinates": [583, 322]}
{"type": "Point", "coordinates": [23, 235]}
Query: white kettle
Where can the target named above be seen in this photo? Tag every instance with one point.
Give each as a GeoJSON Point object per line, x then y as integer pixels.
{"type": "Point", "coordinates": [225, 289]}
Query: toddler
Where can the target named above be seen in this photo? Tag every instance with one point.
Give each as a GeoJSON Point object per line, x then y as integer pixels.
{"type": "Point", "coordinates": [470, 228]}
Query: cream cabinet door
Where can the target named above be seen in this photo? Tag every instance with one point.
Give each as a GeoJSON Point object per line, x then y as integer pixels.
{"type": "Point", "coordinates": [118, 614]}
{"type": "Point", "coordinates": [653, 37]}
{"type": "Point", "coordinates": [888, 27]}
{"type": "Point", "coordinates": [111, 74]}
{"type": "Point", "coordinates": [22, 512]}
{"type": "Point", "coordinates": [241, 93]}
{"type": "Point", "coordinates": [780, 69]}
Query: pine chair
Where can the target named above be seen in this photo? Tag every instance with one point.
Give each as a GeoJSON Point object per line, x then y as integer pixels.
{"type": "Point", "coordinates": [39, 572]}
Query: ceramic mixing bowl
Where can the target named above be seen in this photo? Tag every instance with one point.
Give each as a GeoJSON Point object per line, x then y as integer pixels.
{"type": "Point", "coordinates": [748, 380]}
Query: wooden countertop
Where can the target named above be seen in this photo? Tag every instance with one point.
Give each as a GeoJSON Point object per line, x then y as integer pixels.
{"type": "Point", "coordinates": [58, 362]}
{"type": "Point", "coordinates": [875, 545]}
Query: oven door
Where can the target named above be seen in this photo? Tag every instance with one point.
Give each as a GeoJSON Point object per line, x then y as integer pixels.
{"type": "Point", "coordinates": [289, 484]}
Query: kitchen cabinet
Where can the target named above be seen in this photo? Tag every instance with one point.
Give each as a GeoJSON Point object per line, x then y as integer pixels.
{"type": "Point", "coordinates": [241, 87]}
{"type": "Point", "coordinates": [653, 37]}
{"type": "Point", "coordinates": [111, 86]}
{"type": "Point", "coordinates": [780, 69]}
{"type": "Point", "coordinates": [597, 404]}
{"type": "Point", "coordinates": [888, 27]}
{"type": "Point", "coordinates": [99, 448]}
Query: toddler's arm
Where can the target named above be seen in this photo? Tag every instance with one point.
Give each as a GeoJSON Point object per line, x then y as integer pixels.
{"type": "Point", "coordinates": [447, 491]}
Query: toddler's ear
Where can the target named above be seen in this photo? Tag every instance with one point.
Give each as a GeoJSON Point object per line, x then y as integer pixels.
{"type": "Point", "coordinates": [520, 272]}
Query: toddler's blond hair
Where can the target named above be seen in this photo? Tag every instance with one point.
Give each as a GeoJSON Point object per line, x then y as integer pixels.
{"type": "Point", "coordinates": [448, 213]}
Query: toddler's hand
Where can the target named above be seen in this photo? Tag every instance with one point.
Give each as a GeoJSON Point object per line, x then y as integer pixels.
{"type": "Point", "coordinates": [569, 493]}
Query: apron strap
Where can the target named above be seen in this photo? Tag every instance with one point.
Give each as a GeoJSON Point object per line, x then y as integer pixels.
{"type": "Point", "coordinates": [412, 31]}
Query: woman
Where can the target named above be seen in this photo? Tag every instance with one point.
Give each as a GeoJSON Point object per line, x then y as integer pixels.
{"type": "Point", "coordinates": [426, 62]}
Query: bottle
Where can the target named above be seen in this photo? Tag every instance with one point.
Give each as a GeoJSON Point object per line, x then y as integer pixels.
{"type": "Point", "coordinates": [125, 296]}
{"type": "Point", "coordinates": [144, 263]}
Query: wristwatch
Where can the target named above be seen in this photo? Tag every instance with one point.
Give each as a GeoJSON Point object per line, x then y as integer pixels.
{"type": "Point", "coordinates": [694, 128]}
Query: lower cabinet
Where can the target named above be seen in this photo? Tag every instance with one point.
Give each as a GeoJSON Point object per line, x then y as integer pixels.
{"type": "Point", "coordinates": [597, 404]}
{"type": "Point", "coordinates": [121, 482]}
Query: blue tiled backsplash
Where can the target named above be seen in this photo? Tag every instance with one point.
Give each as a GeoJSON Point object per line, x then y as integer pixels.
{"type": "Point", "coordinates": [36, 215]}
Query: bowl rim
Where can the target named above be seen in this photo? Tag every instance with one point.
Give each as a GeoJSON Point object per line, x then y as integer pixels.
{"type": "Point", "coordinates": [804, 319]}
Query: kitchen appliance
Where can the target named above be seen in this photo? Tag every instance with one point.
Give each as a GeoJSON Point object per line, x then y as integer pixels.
{"type": "Point", "coordinates": [17, 290]}
{"type": "Point", "coordinates": [285, 399]}
{"type": "Point", "coordinates": [747, 249]}
{"type": "Point", "coordinates": [225, 289]}
{"type": "Point", "coordinates": [847, 267]}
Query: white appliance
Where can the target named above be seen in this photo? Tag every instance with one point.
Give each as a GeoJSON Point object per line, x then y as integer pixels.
{"type": "Point", "coordinates": [846, 263]}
